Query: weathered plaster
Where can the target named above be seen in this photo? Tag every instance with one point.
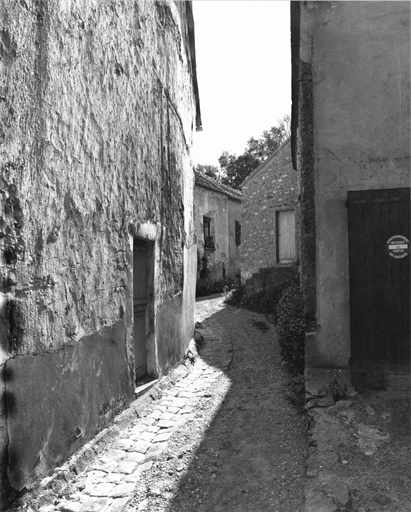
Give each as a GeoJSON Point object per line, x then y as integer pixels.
{"type": "Point", "coordinates": [59, 423]}
{"type": "Point", "coordinates": [223, 212]}
{"type": "Point", "coordinates": [361, 97]}
{"type": "Point", "coordinates": [97, 110]}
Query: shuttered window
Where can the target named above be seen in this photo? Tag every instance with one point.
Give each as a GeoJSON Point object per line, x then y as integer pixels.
{"type": "Point", "coordinates": [237, 233]}
{"type": "Point", "coordinates": [208, 233]}
{"type": "Point", "coordinates": [286, 246]}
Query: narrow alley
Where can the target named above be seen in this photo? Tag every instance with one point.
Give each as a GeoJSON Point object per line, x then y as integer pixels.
{"type": "Point", "coordinates": [224, 437]}
{"type": "Point", "coordinates": [244, 448]}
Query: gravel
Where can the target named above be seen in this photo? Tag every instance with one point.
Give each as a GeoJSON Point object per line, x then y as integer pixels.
{"type": "Point", "coordinates": [244, 446]}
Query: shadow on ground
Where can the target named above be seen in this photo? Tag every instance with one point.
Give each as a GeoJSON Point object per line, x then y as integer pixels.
{"type": "Point", "coordinates": [251, 455]}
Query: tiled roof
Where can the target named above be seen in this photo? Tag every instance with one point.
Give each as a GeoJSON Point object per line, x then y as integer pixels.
{"type": "Point", "coordinates": [205, 181]}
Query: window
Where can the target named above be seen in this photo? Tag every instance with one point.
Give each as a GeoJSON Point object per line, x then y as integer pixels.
{"type": "Point", "coordinates": [208, 237]}
{"type": "Point", "coordinates": [237, 233]}
{"type": "Point", "coordinates": [286, 246]}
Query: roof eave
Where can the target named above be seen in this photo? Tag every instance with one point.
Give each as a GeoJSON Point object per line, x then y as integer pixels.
{"type": "Point", "coordinates": [191, 38]}
{"type": "Point", "coordinates": [209, 184]}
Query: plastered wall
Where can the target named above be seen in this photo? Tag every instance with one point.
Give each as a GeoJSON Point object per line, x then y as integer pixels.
{"type": "Point", "coordinates": [223, 212]}
{"type": "Point", "coordinates": [97, 115]}
{"type": "Point", "coordinates": [359, 57]}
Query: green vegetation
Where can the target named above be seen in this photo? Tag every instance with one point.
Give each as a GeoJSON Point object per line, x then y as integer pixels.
{"type": "Point", "coordinates": [234, 169]}
{"type": "Point", "coordinates": [263, 301]}
{"type": "Point", "coordinates": [291, 327]}
{"type": "Point", "coordinates": [207, 286]}
{"type": "Point", "coordinates": [286, 309]}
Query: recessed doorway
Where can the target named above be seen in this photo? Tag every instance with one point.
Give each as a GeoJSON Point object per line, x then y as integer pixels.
{"type": "Point", "coordinates": [143, 296]}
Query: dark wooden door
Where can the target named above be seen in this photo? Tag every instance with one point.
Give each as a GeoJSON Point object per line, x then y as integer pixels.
{"type": "Point", "coordinates": [140, 271]}
{"type": "Point", "coordinates": [379, 265]}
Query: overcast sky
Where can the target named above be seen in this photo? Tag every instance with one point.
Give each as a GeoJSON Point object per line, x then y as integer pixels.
{"type": "Point", "coordinates": [243, 70]}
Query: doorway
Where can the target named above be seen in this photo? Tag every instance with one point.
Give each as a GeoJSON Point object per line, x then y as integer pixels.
{"type": "Point", "coordinates": [143, 295]}
{"type": "Point", "coordinates": [379, 265]}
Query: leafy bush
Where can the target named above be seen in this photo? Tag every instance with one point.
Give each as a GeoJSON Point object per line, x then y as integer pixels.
{"type": "Point", "coordinates": [263, 301]}
{"type": "Point", "coordinates": [295, 392]}
{"type": "Point", "coordinates": [236, 296]}
{"type": "Point", "coordinates": [222, 285]}
{"type": "Point", "coordinates": [291, 327]}
{"type": "Point", "coordinates": [206, 285]}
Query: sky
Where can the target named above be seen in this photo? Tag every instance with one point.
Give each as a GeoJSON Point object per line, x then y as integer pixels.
{"type": "Point", "coordinates": [244, 72]}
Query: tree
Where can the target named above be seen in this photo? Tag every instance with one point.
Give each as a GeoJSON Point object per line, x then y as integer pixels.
{"type": "Point", "coordinates": [270, 140]}
{"type": "Point", "coordinates": [285, 126]}
{"type": "Point", "coordinates": [235, 169]}
{"type": "Point", "coordinates": [263, 147]}
{"type": "Point", "coordinates": [212, 171]}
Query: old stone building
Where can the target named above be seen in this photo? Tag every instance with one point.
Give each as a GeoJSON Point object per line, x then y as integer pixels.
{"type": "Point", "coordinates": [351, 145]}
{"type": "Point", "coordinates": [270, 221]}
{"type": "Point", "coordinates": [98, 102]}
{"type": "Point", "coordinates": [218, 228]}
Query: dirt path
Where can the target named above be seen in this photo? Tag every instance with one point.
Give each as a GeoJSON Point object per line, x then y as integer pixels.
{"type": "Point", "coordinates": [245, 447]}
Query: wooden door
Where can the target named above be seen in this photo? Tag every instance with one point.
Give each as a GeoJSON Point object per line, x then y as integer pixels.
{"type": "Point", "coordinates": [286, 246]}
{"type": "Point", "coordinates": [140, 299]}
{"type": "Point", "coordinates": [379, 265]}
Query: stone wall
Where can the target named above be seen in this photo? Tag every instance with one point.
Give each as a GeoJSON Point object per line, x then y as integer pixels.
{"type": "Point", "coordinates": [354, 134]}
{"type": "Point", "coordinates": [97, 111]}
{"type": "Point", "coordinates": [303, 154]}
{"type": "Point", "coordinates": [271, 187]}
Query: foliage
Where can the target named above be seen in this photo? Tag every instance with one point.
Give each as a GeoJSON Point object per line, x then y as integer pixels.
{"type": "Point", "coordinates": [204, 286]}
{"type": "Point", "coordinates": [207, 286]}
{"type": "Point", "coordinates": [270, 140]}
{"type": "Point", "coordinates": [285, 126]}
{"type": "Point", "coordinates": [337, 390]}
{"type": "Point", "coordinates": [212, 171]}
{"type": "Point", "coordinates": [226, 284]}
{"type": "Point", "coordinates": [235, 297]}
{"type": "Point", "coordinates": [235, 169]}
{"type": "Point", "coordinates": [263, 301]}
{"type": "Point", "coordinates": [287, 308]}
{"type": "Point", "coordinates": [295, 392]}
{"type": "Point", "coordinates": [291, 326]}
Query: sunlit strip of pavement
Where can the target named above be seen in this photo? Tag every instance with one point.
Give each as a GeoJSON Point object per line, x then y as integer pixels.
{"type": "Point", "coordinates": [108, 482]}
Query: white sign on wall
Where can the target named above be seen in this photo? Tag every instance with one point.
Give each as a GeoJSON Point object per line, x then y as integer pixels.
{"type": "Point", "coordinates": [398, 246]}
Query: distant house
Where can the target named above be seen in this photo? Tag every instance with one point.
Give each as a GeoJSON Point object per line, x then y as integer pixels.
{"type": "Point", "coordinates": [269, 249]}
{"type": "Point", "coordinates": [217, 221]}
{"type": "Point", "coordinates": [351, 147]}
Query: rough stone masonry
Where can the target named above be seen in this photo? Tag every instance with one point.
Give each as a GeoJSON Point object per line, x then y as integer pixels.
{"type": "Point", "coordinates": [97, 110]}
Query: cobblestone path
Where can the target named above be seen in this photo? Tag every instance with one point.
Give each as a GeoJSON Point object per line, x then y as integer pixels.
{"type": "Point", "coordinates": [221, 438]}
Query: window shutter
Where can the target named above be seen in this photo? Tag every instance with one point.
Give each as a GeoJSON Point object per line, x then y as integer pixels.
{"type": "Point", "coordinates": [237, 232]}
{"type": "Point", "coordinates": [286, 247]}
